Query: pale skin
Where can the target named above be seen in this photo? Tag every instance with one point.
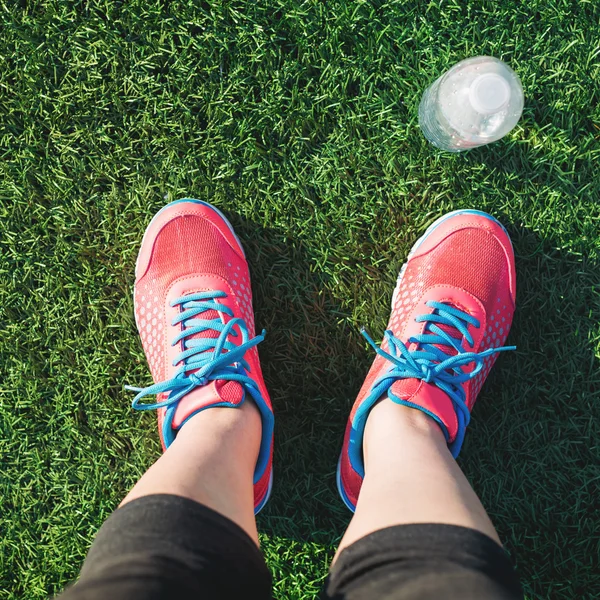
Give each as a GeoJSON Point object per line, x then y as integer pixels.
{"type": "Point", "coordinates": [410, 475]}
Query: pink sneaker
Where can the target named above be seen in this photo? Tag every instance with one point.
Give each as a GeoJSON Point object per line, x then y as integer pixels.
{"type": "Point", "coordinates": [193, 309]}
{"type": "Point", "coordinates": [451, 312]}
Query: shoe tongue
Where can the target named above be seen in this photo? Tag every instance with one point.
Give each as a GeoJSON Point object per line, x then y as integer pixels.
{"type": "Point", "coordinates": [430, 398]}
{"type": "Point", "coordinates": [452, 332]}
{"type": "Point", "coordinates": [214, 393]}
{"type": "Point", "coordinates": [405, 388]}
{"type": "Point", "coordinates": [207, 315]}
{"type": "Point", "coordinates": [427, 395]}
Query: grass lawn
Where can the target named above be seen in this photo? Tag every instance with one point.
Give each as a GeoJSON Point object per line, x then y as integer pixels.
{"type": "Point", "coordinates": [299, 121]}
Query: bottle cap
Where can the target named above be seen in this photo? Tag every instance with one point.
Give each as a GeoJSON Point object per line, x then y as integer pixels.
{"type": "Point", "coordinates": [489, 93]}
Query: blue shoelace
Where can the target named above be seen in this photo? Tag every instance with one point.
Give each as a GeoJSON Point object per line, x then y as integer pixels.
{"type": "Point", "coordinates": [432, 364]}
{"type": "Point", "coordinates": [210, 358]}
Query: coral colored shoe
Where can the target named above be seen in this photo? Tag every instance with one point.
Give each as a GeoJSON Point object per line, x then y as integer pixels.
{"type": "Point", "coordinates": [451, 312]}
{"type": "Point", "coordinates": [193, 309]}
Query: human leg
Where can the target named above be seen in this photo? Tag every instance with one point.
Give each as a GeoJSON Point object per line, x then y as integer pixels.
{"type": "Point", "coordinates": [211, 461]}
{"type": "Point", "coordinates": [419, 529]}
{"type": "Point", "coordinates": [411, 477]}
{"type": "Point", "coordinates": [187, 528]}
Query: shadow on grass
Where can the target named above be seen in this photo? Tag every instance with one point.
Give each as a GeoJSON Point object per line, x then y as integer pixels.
{"type": "Point", "coordinates": [530, 452]}
{"type": "Point", "coordinates": [313, 367]}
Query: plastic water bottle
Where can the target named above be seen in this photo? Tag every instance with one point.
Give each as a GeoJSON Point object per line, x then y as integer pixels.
{"type": "Point", "coordinates": [478, 101]}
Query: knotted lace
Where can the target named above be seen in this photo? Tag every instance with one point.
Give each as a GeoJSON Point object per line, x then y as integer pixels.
{"type": "Point", "coordinates": [203, 359]}
{"type": "Point", "coordinates": [439, 358]}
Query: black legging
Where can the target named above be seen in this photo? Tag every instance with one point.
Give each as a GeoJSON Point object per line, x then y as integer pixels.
{"type": "Point", "coordinates": [168, 547]}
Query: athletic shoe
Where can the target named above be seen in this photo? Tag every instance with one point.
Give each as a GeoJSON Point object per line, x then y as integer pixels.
{"type": "Point", "coordinates": [451, 312]}
{"type": "Point", "coordinates": [193, 310]}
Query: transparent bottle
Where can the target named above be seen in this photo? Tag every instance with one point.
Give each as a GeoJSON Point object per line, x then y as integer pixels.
{"type": "Point", "coordinates": [478, 101]}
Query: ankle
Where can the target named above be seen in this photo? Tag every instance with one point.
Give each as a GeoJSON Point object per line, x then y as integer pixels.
{"type": "Point", "coordinates": [390, 424]}
{"type": "Point", "coordinates": [224, 416]}
{"type": "Point", "coordinates": [385, 412]}
{"type": "Point", "coordinates": [229, 430]}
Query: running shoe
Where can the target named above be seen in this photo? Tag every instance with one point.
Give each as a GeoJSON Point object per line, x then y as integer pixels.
{"type": "Point", "coordinates": [451, 312]}
{"type": "Point", "coordinates": [193, 310]}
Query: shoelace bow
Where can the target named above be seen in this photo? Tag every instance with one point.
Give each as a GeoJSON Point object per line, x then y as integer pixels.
{"type": "Point", "coordinates": [432, 364]}
{"type": "Point", "coordinates": [203, 359]}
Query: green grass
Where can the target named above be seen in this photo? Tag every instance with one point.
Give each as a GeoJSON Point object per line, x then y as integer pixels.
{"type": "Point", "coordinates": [299, 120]}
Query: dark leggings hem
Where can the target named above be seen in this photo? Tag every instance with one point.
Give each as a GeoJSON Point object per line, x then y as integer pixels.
{"type": "Point", "coordinates": [168, 547]}
{"type": "Point", "coordinates": [165, 546]}
{"type": "Point", "coordinates": [423, 561]}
